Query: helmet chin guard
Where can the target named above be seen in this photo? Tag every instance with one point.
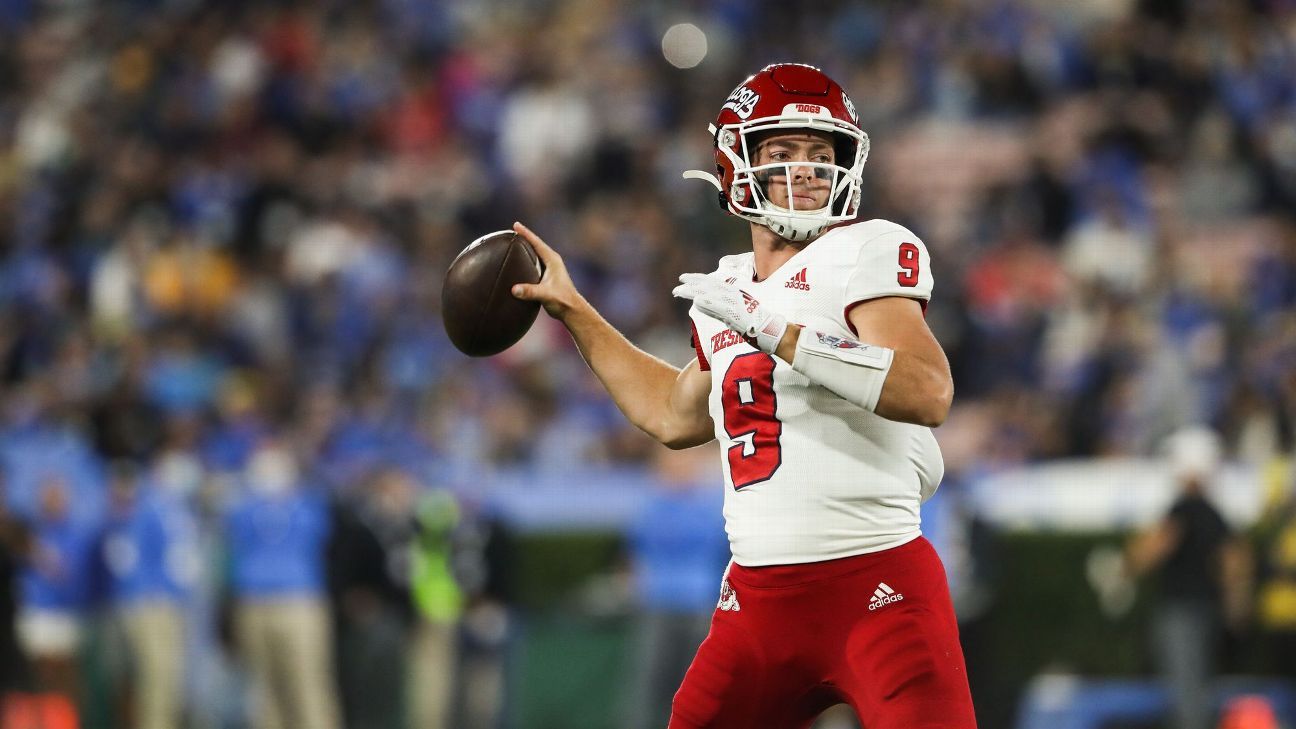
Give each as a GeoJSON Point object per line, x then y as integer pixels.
{"type": "Point", "coordinates": [786, 98]}
{"type": "Point", "coordinates": [795, 228]}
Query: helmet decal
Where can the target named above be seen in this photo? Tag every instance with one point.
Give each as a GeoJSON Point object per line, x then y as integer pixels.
{"type": "Point", "coordinates": [850, 108]}
{"type": "Point", "coordinates": [743, 102]}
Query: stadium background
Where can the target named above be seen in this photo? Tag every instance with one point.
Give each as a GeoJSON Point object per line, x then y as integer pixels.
{"type": "Point", "coordinates": [224, 225]}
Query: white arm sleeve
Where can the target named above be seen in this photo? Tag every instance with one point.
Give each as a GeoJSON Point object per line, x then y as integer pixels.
{"type": "Point", "coordinates": [854, 371]}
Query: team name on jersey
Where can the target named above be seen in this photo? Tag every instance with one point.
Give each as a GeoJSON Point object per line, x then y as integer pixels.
{"type": "Point", "coordinates": [726, 338]}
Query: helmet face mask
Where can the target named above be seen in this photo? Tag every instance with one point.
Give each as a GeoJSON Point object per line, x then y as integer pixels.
{"type": "Point", "coordinates": [749, 194]}
{"type": "Point", "coordinates": [787, 98]}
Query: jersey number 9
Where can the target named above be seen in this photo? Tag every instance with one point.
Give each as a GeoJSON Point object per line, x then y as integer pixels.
{"type": "Point", "coordinates": [747, 396]}
{"type": "Point", "coordinates": [908, 273]}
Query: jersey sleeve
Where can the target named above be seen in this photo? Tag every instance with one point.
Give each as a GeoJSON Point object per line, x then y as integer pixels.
{"type": "Point", "coordinates": [892, 263]}
{"type": "Point", "coordinates": [703, 364]}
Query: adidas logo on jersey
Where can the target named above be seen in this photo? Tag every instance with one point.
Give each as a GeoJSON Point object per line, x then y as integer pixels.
{"type": "Point", "coordinates": [798, 282]}
{"type": "Point", "coordinates": [884, 596]}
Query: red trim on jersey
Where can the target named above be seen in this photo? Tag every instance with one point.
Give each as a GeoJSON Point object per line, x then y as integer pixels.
{"type": "Point", "coordinates": [851, 306]}
{"type": "Point", "coordinates": [703, 364]}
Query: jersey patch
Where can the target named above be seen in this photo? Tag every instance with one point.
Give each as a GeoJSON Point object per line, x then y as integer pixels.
{"type": "Point", "coordinates": [847, 350]}
{"type": "Point", "coordinates": [829, 340]}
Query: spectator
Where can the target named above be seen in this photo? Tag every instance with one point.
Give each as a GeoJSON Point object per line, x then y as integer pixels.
{"type": "Point", "coordinates": [677, 545]}
{"type": "Point", "coordinates": [369, 561]}
{"type": "Point", "coordinates": [56, 591]}
{"type": "Point", "coordinates": [1276, 596]}
{"type": "Point", "coordinates": [14, 545]}
{"type": "Point", "coordinates": [486, 571]}
{"type": "Point", "coordinates": [150, 549]}
{"type": "Point", "coordinates": [439, 604]}
{"type": "Point", "coordinates": [1203, 576]}
{"type": "Point", "coordinates": [276, 536]}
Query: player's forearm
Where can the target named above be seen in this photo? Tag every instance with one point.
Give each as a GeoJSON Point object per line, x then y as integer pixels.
{"type": "Point", "coordinates": [639, 383]}
{"type": "Point", "coordinates": [917, 391]}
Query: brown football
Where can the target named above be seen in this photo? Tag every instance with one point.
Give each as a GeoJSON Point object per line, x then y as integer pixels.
{"type": "Point", "coordinates": [479, 312]}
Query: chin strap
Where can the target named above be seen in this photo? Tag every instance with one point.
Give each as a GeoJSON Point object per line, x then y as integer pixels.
{"type": "Point", "coordinates": [704, 176]}
{"type": "Point", "coordinates": [715, 181]}
{"type": "Point", "coordinates": [792, 233]}
{"type": "Point", "coordinates": [793, 229]}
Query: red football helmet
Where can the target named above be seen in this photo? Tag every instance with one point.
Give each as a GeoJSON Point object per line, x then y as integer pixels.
{"type": "Point", "coordinates": [786, 96]}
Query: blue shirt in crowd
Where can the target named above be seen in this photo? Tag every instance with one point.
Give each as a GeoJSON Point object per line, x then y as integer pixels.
{"type": "Point", "coordinates": [680, 549]}
{"type": "Point", "coordinates": [60, 575]}
{"type": "Point", "coordinates": [151, 552]}
{"type": "Point", "coordinates": [276, 545]}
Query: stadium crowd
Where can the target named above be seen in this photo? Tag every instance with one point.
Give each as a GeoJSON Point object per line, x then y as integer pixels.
{"type": "Point", "coordinates": [223, 227]}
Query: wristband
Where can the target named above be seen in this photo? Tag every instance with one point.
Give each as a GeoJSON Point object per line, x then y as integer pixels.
{"type": "Point", "coordinates": [854, 371]}
{"type": "Point", "coordinates": [770, 333]}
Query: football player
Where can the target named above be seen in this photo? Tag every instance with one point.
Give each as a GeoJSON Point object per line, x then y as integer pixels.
{"type": "Point", "coordinates": [817, 373]}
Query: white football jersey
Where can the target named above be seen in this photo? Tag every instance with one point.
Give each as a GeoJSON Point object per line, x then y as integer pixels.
{"type": "Point", "coordinates": [809, 476]}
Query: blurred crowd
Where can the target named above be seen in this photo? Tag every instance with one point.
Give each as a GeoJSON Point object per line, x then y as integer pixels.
{"type": "Point", "coordinates": [223, 227]}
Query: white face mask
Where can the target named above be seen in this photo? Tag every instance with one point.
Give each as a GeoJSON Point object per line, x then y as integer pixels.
{"type": "Point", "coordinates": [271, 471]}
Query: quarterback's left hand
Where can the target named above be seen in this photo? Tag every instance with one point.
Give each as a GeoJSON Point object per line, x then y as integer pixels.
{"type": "Point", "coordinates": [735, 307]}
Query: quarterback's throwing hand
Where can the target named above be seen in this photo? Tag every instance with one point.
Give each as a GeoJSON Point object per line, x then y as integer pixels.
{"type": "Point", "coordinates": [555, 291]}
{"type": "Point", "coordinates": [735, 307]}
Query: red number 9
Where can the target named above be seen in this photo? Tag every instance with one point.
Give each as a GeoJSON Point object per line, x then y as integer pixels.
{"type": "Point", "coordinates": [747, 394]}
{"type": "Point", "coordinates": [908, 276]}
